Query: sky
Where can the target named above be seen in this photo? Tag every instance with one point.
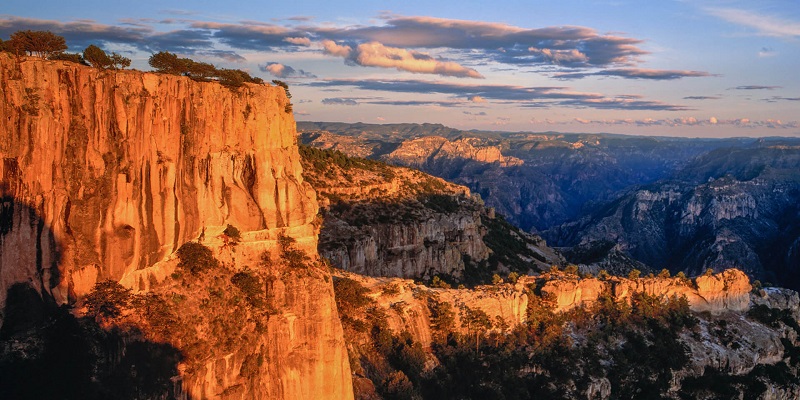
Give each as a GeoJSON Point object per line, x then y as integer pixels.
{"type": "Point", "coordinates": [703, 68]}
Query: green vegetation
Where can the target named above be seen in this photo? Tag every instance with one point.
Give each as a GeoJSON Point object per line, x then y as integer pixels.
{"type": "Point", "coordinates": [108, 299]}
{"type": "Point", "coordinates": [196, 258]}
{"type": "Point", "coordinates": [43, 44]}
{"type": "Point", "coordinates": [554, 355]}
{"type": "Point", "coordinates": [323, 159]}
{"type": "Point", "coordinates": [98, 58]}
{"type": "Point", "coordinates": [288, 108]}
{"type": "Point", "coordinates": [169, 63]}
{"type": "Point", "coordinates": [233, 233]}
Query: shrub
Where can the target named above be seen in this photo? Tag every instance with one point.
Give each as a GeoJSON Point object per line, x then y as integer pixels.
{"type": "Point", "coordinates": [196, 258]}
{"type": "Point", "coordinates": [72, 57]}
{"type": "Point", "coordinates": [496, 279]}
{"type": "Point", "coordinates": [292, 256]}
{"type": "Point", "coordinates": [251, 285]}
{"type": "Point", "coordinates": [108, 299]}
{"type": "Point", "coordinates": [571, 269]}
{"type": "Point", "coordinates": [350, 296]}
{"type": "Point", "coordinates": [98, 58]}
{"type": "Point", "coordinates": [634, 274]}
{"type": "Point", "coordinates": [513, 278]}
{"type": "Point", "coordinates": [36, 43]}
{"type": "Point", "coordinates": [664, 273]}
{"type": "Point", "coordinates": [438, 282]}
{"type": "Point", "coordinates": [233, 233]}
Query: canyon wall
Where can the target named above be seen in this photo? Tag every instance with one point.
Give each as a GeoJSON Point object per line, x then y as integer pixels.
{"type": "Point", "coordinates": [124, 167]}
{"type": "Point", "coordinates": [105, 174]}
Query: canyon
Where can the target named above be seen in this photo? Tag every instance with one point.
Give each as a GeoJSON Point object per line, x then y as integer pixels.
{"type": "Point", "coordinates": [106, 174]}
{"type": "Point", "coordinates": [166, 238]}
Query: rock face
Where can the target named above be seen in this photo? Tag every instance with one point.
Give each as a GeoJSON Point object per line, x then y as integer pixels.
{"type": "Point", "coordinates": [380, 220]}
{"type": "Point", "coordinates": [406, 308]}
{"type": "Point", "coordinates": [436, 150]}
{"type": "Point", "coordinates": [106, 173]}
{"type": "Point", "coordinates": [536, 180]}
{"type": "Point", "coordinates": [124, 167]}
{"type": "Point", "coordinates": [729, 337]}
{"type": "Point", "coordinates": [735, 208]}
{"type": "Point", "coordinates": [723, 292]}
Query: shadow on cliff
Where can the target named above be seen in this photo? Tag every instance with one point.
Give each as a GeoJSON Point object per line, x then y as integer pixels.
{"type": "Point", "coordinates": [46, 352]}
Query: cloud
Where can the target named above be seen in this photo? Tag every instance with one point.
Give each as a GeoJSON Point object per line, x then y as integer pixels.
{"type": "Point", "coordinates": [374, 54]}
{"type": "Point", "coordinates": [520, 95]}
{"type": "Point", "coordinates": [332, 49]}
{"type": "Point", "coordinates": [78, 34]}
{"type": "Point", "coordinates": [636, 73]}
{"type": "Point", "coordinates": [559, 57]}
{"type": "Point", "coordinates": [477, 99]}
{"type": "Point", "coordinates": [764, 25]}
{"type": "Point", "coordinates": [781, 98]}
{"type": "Point", "coordinates": [756, 87]}
{"type": "Point", "coordinates": [284, 71]}
{"type": "Point", "coordinates": [251, 35]}
{"type": "Point", "coordinates": [226, 55]}
{"type": "Point", "coordinates": [766, 52]}
{"type": "Point", "coordinates": [339, 101]}
{"type": "Point", "coordinates": [702, 98]}
{"type": "Point", "coordinates": [478, 114]}
{"type": "Point", "coordinates": [416, 103]}
{"type": "Point", "coordinates": [688, 121]}
{"type": "Point", "coordinates": [572, 46]}
{"type": "Point", "coordinates": [300, 18]}
{"type": "Point", "coordinates": [300, 41]}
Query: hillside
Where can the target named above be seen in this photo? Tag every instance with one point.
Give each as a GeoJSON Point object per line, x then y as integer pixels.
{"type": "Point", "coordinates": [381, 220]}
{"type": "Point", "coordinates": [537, 180]}
{"type": "Point", "coordinates": [730, 208]}
{"type": "Point", "coordinates": [558, 336]}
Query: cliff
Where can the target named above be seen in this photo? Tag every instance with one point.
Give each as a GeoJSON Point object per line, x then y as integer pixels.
{"type": "Point", "coordinates": [724, 339]}
{"type": "Point", "coordinates": [382, 220]}
{"type": "Point", "coordinates": [105, 174]}
{"type": "Point", "coordinates": [731, 208]}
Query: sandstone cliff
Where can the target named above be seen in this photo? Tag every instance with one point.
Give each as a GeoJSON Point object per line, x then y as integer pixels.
{"type": "Point", "coordinates": [106, 173]}
{"type": "Point", "coordinates": [730, 341]}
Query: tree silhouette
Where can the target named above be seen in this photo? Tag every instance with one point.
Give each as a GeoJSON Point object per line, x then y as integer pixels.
{"type": "Point", "coordinates": [36, 43]}
{"type": "Point", "coordinates": [98, 58]}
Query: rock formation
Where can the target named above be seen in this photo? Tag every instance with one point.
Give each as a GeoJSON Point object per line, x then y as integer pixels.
{"type": "Point", "coordinates": [106, 173]}
{"type": "Point", "coordinates": [380, 220]}
{"type": "Point", "coordinates": [730, 336]}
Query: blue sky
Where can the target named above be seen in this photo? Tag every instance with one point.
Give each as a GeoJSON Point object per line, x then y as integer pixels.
{"type": "Point", "coordinates": [677, 68]}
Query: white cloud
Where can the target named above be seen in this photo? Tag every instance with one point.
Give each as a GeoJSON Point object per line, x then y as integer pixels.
{"type": "Point", "coordinates": [300, 41]}
{"type": "Point", "coordinates": [374, 54]}
{"type": "Point", "coordinates": [765, 25]}
{"type": "Point", "coordinates": [333, 49]}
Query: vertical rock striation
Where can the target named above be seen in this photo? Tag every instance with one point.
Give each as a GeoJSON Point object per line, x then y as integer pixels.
{"type": "Point", "coordinates": [124, 167]}
{"type": "Point", "coordinates": [105, 174]}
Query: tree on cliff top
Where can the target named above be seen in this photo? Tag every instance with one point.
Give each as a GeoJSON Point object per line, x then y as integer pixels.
{"type": "Point", "coordinates": [36, 43]}
{"type": "Point", "coordinates": [168, 63]}
{"type": "Point", "coordinates": [98, 58]}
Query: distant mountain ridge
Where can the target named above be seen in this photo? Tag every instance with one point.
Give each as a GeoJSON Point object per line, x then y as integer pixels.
{"type": "Point", "coordinates": [615, 202]}
{"type": "Point", "coordinates": [730, 208]}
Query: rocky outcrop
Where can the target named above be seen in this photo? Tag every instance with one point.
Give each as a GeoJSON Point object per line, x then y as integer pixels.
{"type": "Point", "coordinates": [380, 220]}
{"type": "Point", "coordinates": [406, 307]}
{"type": "Point", "coordinates": [124, 167]}
{"type": "Point", "coordinates": [727, 338]}
{"type": "Point", "coordinates": [743, 219]}
{"type": "Point", "coordinates": [433, 150]}
{"type": "Point", "coordinates": [105, 174]}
